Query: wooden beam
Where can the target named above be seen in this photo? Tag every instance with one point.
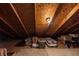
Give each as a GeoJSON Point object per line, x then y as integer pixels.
{"type": "Point", "coordinates": [18, 18]}
{"type": "Point", "coordinates": [75, 30]}
{"type": "Point", "coordinates": [66, 18]}
{"type": "Point", "coordinates": [42, 12]}
{"type": "Point", "coordinates": [6, 32]}
{"type": "Point", "coordinates": [70, 27]}
{"type": "Point", "coordinates": [53, 14]}
{"type": "Point", "coordinates": [8, 24]}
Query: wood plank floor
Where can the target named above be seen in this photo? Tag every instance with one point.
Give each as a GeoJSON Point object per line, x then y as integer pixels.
{"type": "Point", "coordinates": [46, 52]}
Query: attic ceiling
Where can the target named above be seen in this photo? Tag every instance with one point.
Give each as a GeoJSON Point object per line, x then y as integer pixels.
{"type": "Point", "coordinates": [23, 20]}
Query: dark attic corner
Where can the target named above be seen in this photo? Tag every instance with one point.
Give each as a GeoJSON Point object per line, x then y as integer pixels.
{"type": "Point", "coordinates": [39, 29]}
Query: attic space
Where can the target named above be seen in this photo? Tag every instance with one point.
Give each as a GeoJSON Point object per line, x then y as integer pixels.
{"type": "Point", "coordinates": [39, 29]}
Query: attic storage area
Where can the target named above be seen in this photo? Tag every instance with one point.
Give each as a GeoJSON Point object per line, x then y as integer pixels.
{"type": "Point", "coordinates": [39, 29]}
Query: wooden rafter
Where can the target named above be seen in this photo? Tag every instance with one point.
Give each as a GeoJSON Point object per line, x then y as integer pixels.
{"type": "Point", "coordinates": [66, 18]}
{"type": "Point", "coordinates": [75, 30]}
{"type": "Point", "coordinates": [8, 24]}
{"type": "Point", "coordinates": [69, 15]}
{"type": "Point", "coordinates": [71, 27]}
{"type": "Point", "coordinates": [18, 18]}
{"type": "Point", "coordinates": [6, 32]}
{"type": "Point", "coordinates": [52, 18]}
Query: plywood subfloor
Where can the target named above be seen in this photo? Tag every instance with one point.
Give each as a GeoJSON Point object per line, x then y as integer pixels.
{"type": "Point", "coordinates": [46, 52]}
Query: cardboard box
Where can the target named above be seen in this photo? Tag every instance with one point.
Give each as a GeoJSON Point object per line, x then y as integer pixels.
{"type": "Point", "coordinates": [66, 37]}
{"type": "Point", "coordinates": [61, 43]}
